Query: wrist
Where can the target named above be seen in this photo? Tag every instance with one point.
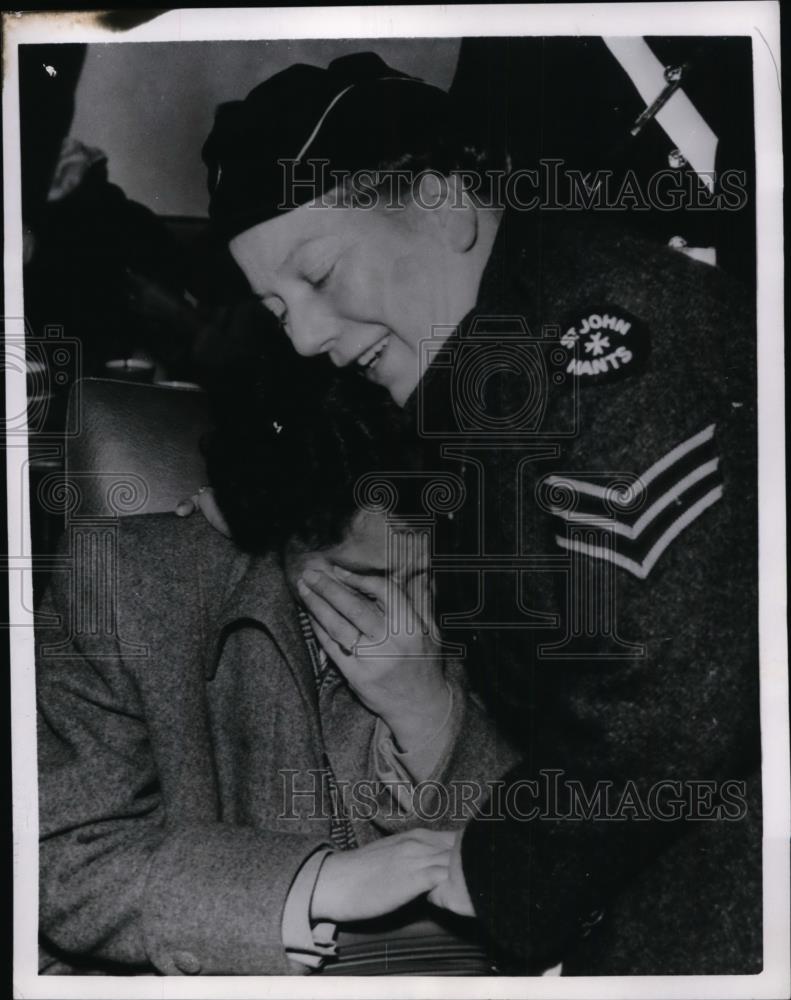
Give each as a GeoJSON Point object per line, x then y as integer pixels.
{"type": "Point", "coordinates": [419, 726]}
{"type": "Point", "coordinates": [323, 892]}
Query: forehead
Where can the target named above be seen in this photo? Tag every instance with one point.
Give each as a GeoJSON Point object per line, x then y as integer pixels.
{"type": "Point", "coordinates": [374, 543]}
{"type": "Point", "coordinates": [365, 543]}
{"type": "Point", "coordinates": [269, 245]}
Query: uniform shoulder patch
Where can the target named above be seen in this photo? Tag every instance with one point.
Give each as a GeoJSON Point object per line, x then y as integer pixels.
{"type": "Point", "coordinates": [628, 519]}
{"type": "Point", "coordinates": [602, 343]}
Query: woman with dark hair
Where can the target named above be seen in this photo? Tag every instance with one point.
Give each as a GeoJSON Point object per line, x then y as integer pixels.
{"type": "Point", "coordinates": [290, 439]}
{"type": "Point", "coordinates": [299, 458]}
{"type": "Point", "coordinates": [565, 373]}
{"type": "Point", "coordinates": [217, 793]}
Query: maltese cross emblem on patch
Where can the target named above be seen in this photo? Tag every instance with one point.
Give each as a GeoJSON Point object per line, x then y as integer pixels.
{"type": "Point", "coordinates": [602, 343]}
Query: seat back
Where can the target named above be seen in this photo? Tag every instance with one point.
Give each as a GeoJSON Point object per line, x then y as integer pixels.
{"type": "Point", "coordinates": [137, 447]}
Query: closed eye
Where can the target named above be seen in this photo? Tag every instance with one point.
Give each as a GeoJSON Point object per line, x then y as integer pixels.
{"type": "Point", "coordinates": [321, 280]}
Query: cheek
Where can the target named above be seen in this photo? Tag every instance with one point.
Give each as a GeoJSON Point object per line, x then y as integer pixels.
{"type": "Point", "coordinates": [410, 301]}
{"type": "Point", "coordinates": [418, 590]}
{"type": "Point", "coordinates": [358, 293]}
{"type": "Point", "coordinates": [406, 271]}
{"type": "Point", "coordinates": [388, 283]}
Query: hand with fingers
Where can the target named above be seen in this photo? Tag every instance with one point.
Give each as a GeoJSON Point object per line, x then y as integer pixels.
{"type": "Point", "coordinates": [205, 502]}
{"type": "Point", "coordinates": [382, 643]}
{"type": "Point", "coordinates": [376, 879]}
{"type": "Point", "coordinates": [451, 893]}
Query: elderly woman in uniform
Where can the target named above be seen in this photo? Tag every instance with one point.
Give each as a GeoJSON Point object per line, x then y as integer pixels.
{"type": "Point", "coordinates": [594, 395]}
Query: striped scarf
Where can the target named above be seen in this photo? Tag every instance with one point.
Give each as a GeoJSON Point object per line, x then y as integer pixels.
{"type": "Point", "coordinates": [326, 677]}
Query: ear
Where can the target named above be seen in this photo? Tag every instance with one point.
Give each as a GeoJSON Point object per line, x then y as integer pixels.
{"type": "Point", "coordinates": [450, 209]}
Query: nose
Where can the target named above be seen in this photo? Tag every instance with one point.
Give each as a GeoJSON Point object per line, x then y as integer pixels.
{"type": "Point", "coordinates": [310, 329]}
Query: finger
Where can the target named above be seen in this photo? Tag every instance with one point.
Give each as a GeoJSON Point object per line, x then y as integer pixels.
{"type": "Point", "coordinates": [447, 897]}
{"type": "Point", "coordinates": [434, 858]}
{"type": "Point", "coordinates": [419, 854]}
{"type": "Point", "coordinates": [358, 610]}
{"type": "Point", "coordinates": [185, 507]}
{"type": "Point", "coordinates": [403, 617]}
{"type": "Point", "coordinates": [344, 661]}
{"type": "Point", "coordinates": [383, 589]}
{"type": "Point", "coordinates": [438, 895]}
{"type": "Point", "coordinates": [205, 499]}
{"type": "Point", "coordinates": [372, 586]}
{"type": "Point", "coordinates": [444, 838]}
{"type": "Point", "coordinates": [432, 876]}
{"type": "Point", "coordinates": [436, 836]}
{"type": "Point", "coordinates": [339, 628]}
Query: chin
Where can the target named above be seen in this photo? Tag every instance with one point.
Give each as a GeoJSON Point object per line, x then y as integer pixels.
{"type": "Point", "coordinates": [401, 390]}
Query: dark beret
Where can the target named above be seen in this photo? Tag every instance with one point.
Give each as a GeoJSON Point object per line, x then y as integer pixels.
{"type": "Point", "coordinates": [296, 133]}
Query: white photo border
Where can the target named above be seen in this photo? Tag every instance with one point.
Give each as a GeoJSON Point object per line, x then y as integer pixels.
{"type": "Point", "coordinates": [758, 20]}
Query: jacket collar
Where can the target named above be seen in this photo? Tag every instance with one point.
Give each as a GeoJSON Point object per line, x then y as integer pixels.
{"type": "Point", "coordinates": [256, 592]}
{"type": "Point", "coordinates": [511, 262]}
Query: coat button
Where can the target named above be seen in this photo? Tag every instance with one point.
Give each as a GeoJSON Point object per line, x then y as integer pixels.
{"type": "Point", "coordinates": [187, 963]}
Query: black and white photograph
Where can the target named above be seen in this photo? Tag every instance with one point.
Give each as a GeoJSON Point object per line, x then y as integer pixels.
{"type": "Point", "coordinates": [396, 512]}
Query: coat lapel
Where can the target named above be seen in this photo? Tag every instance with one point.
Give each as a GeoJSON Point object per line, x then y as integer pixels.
{"type": "Point", "coordinates": [257, 594]}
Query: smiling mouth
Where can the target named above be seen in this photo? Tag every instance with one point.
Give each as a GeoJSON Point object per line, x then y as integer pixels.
{"type": "Point", "coordinates": [369, 359]}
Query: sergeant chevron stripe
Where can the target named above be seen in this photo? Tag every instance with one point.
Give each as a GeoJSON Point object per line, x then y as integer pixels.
{"type": "Point", "coordinates": [663, 501]}
{"type": "Point", "coordinates": [673, 456]}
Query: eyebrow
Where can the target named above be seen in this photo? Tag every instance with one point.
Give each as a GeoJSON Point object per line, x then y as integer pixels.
{"type": "Point", "coordinates": [307, 239]}
{"type": "Point", "coordinates": [287, 260]}
{"type": "Point", "coordinates": [294, 250]}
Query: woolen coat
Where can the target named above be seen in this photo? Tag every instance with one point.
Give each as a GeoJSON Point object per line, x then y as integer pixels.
{"type": "Point", "coordinates": [180, 751]}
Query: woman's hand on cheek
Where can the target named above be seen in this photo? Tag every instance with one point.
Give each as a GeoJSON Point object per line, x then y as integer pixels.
{"type": "Point", "coordinates": [371, 630]}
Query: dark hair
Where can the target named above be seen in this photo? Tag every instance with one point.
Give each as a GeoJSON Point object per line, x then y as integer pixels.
{"type": "Point", "coordinates": [291, 438]}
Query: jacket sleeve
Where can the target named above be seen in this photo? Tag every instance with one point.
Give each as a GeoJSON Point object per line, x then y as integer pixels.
{"type": "Point", "coordinates": [474, 757]}
{"type": "Point", "coordinates": [677, 708]}
{"type": "Point", "coordinates": [123, 886]}
{"type": "Point", "coordinates": [608, 779]}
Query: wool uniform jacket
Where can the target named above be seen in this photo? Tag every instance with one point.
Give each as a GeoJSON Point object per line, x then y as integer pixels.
{"type": "Point", "coordinates": [180, 755]}
{"type": "Point", "coordinates": [599, 407]}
